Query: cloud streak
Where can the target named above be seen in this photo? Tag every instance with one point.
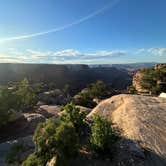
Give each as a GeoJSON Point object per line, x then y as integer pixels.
{"type": "Point", "coordinates": [153, 51]}
{"type": "Point", "coordinates": [61, 28]}
{"type": "Point", "coordinates": [62, 56]}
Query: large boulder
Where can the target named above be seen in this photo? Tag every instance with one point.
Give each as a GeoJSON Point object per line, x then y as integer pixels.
{"type": "Point", "coordinates": [54, 97]}
{"type": "Point", "coordinates": [21, 127]}
{"type": "Point", "coordinates": [136, 82]}
{"type": "Point", "coordinates": [33, 119]}
{"type": "Point", "coordinates": [141, 119]}
{"type": "Point", "coordinates": [49, 110]}
{"type": "Point", "coordinates": [162, 95]}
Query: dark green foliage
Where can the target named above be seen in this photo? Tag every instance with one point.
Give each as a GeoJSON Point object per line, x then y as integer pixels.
{"type": "Point", "coordinates": [154, 80]}
{"type": "Point", "coordinates": [44, 138]}
{"type": "Point", "coordinates": [66, 89]}
{"type": "Point", "coordinates": [17, 98]}
{"type": "Point", "coordinates": [95, 90]}
{"type": "Point", "coordinates": [66, 140]}
{"type": "Point", "coordinates": [27, 94]}
{"type": "Point", "coordinates": [55, 138]}
{"type": "Point", "coordinates": [100, 90]}
{"type": "Point", "coordinates": [74, 116]}
{"type": "Point", "coordinates": [14, 153]}
{"type": "Point", "coordinates": [103, 135]}
{"type": "Point", "coordinates": [52, 85]}
{"type": "Point", "coordinates": [131, 90]}
{"type": "Point", "coordinates": [33, 160]}
{"type": "Point", "coordinates": [9, 101]}
{"type": "Point", "coordinates": [61, 137]}
{"type": "Point", "coordinates": [85, 100]}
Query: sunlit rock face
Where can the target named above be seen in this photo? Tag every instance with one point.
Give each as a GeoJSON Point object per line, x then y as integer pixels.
{"type": "Point", "coordinates": [162, 95]}
{"type": "Point", "coordinates": [141, 119]}
{"type": "Point", "coordinates": [159, 66]}
{"type": "Point", "coordinates": [137, 77]}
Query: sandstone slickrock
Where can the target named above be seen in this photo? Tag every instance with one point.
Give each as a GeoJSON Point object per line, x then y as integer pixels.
{"type": "Point", "coordinates": [137, 77]}
{"type": "Point", "coordinates": [162, 95]}
{"type": "Point", "coordinates": [21, 127]}
{"type": "Point", "coordinates": [55, 96]}
{"type": "Point", "coordinates": [142, 120]}
{"type": "Point", "coordinates": [49, 110]}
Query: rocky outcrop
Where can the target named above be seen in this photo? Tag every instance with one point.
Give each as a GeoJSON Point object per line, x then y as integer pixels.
{"type": "Point", "coordinates": [157, 75]}
{"type": "Point", "coordinates": [162, 95]}
{"type": "Point", "coordinates": [136, 78]}
{"type": "Point", "coordinates": [49, 110]}
{"type": "Point", "coordinates": [22, 127]}
{"type": "Point", "coordinates": [159, 66]}
{"type": "Point", "coordinates": [55, 96]}
{"type": "Point", "coordinates": [142, 120]}
{"type": "Point", "coordinates": [33, 119]}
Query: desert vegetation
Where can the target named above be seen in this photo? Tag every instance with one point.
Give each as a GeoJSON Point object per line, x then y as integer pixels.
{"type": "Point", "coordinates": [154, 80]}
{"type": "Point", "coordinates": [71, 135]}
{"type": "Point", "coordinates": [64, 137]}
{"type": "Point", "coordinates": [98, 90]}
{"type": "Point", "coordinates": [15, 99]}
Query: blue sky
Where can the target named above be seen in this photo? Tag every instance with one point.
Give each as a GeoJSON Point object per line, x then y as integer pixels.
{"type": "Point", "coordinates": [82, 31]}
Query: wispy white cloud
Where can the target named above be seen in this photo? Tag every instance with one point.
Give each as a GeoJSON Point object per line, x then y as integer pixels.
{"type": "Point", "coordinates": [72, 54]}
{"type": "Point", "coordinates": [61, 28]}
{"type": "Point", "coordinates": [67, 52]}
{"type": "Point", "coordinates": [63, 56]}
{"type": "Point", "coordinates": [12, 59]}
{"type": "Point", "coordinates": [153, 51]}
{"type": "Point", "coordinates": [37, 54]}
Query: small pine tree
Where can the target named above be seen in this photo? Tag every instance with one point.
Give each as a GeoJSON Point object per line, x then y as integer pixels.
{"type": "Point", "coordinates": [27, 95]}
{"type": "Point", "coordinates": [103, 136]}
{"type": "Point", "coordinates": [75, 116]}
{"type": "Point", "coordinates": [54, 138]}
{"type": "Point", "coordinates": [8, 101]}
{"type": "Point", "coordinates": [33, 160]}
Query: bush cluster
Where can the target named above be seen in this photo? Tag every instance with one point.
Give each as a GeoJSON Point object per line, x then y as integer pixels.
{"type": "Point", "coordinates": [154, 80]}
{"type": "Point", "coordinates": [61, 137]}
{"type": "Point", "coordinates": [103, 136]}
{"type": "Point", "coordinates": [20, 97]}
{"type": "Point", "coordinates": [97, 90]}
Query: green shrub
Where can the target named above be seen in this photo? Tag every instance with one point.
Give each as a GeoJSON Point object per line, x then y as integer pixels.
{"type": "Point", "coordinates": [154, 80]}
{"type": "Point", "coordinates": [13, 156]}
{"type": "Point", "coordinates": [33, 160]}
{"type": "Point", "coordinates": [75, 116]}
{"type": "Point", "coordinates": [131, 90]}
{"type": "Point", "coordinates": [85, 100]}
{"type": "Point", "coordinates": [44, 138]}
{"type": "Point", "coordinates": [20, 97]}
{"type": "Point", "coordinates": [27, 95]}
{"type": "Point", "coordinates": [8, 101]}
{"type": "Point", "coordinates": [55, 138]}
{"type": "Point", "coordinates": [94, 90]}
{"type": "Point", "coordinates": [66, 140]}
{"type": "Point", "coordinates": [103, 135]}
